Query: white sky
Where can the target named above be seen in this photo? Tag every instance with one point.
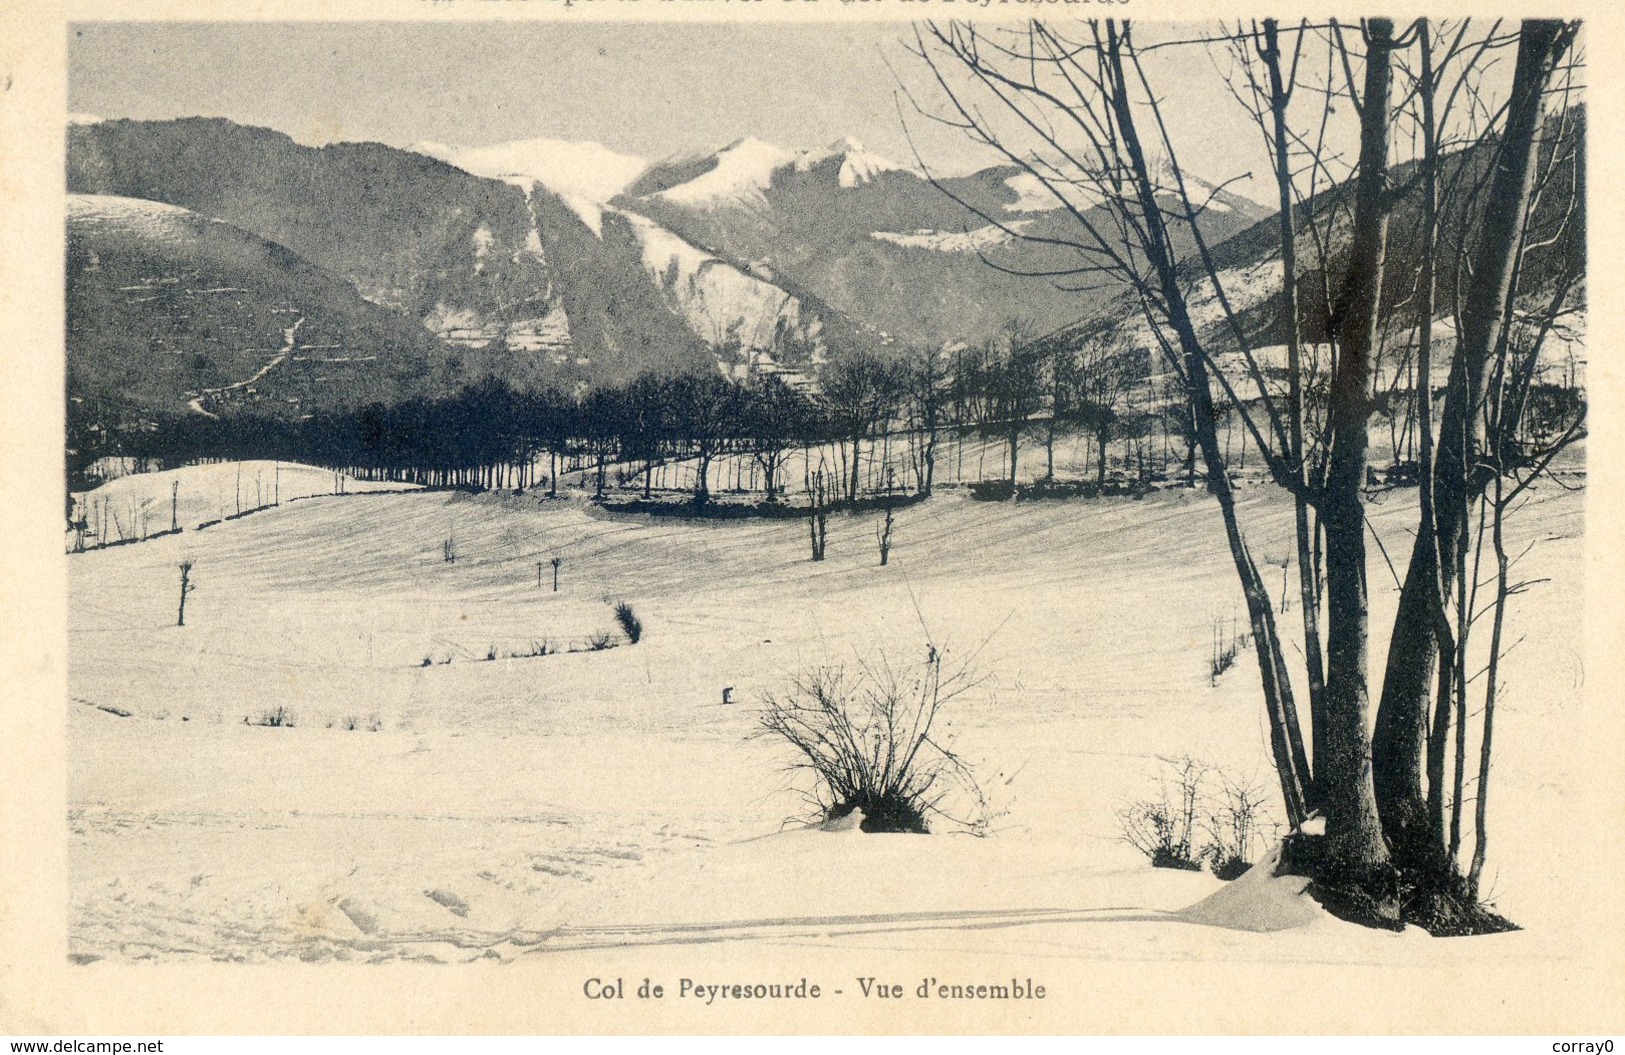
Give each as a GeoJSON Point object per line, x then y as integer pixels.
{"type": "Point", "coordinates": [647, 89]}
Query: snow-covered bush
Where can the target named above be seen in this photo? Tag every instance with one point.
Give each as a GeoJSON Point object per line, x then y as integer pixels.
{"type": "Point", "coordinates": [871, 737]}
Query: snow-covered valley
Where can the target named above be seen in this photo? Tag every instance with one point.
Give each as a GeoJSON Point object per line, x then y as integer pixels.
{"type": "Point", "coordinates": [414, 799]}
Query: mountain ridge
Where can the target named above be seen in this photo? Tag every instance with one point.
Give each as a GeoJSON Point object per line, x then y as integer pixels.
{"type": "Point", "coordinates": [786, 258]}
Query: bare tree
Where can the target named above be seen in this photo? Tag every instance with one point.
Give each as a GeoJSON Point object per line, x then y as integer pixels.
{"type": "Point", "coordinates": [1052, 84]}
{"type": "Point", "coordinates": [1269, 99]}
{"type": "Point", "coordinates": [1461, 467]}
{"type": "Point", "coordinates": [884, 529]}
{"type": "Point", "coordinates": [927, 398]}
{"type": "Point", "coordinates": [706, 414]}
{"type": "Point", "coordinates": [1013, 379]}
{"type": "Point", "coordinates": [1345, 787]}
{"type": "Point", "coordinates": [820, 493]}
{"type": "Point", "coordinates": [1104, 377]}
{"type": "Point", "coordinates": [777, 420]}
{"type": "Point", "coordinates": [1067, 112]}
{"type": "Point", "coordinates": [859, 393]}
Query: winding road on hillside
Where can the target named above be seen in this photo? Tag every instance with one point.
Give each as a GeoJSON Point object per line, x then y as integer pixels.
{"type": "Point", "coordinates": [288, 335]}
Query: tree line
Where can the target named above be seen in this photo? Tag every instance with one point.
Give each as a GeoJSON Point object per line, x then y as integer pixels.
{"type": "Point", "coordinates": [1014, 388]}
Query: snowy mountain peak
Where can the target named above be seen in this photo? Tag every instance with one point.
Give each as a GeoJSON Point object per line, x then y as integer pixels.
{"type": "Point", "coordinates": [858, 166]}
{"type": "Point", "coordinates": [1203, 192]}
{"type": "Point", "coordinates": [587, 171]}
{"type": "Point", "coordinates": [751, 147]}
{"type": "Point", "coordinates": [741, 172]}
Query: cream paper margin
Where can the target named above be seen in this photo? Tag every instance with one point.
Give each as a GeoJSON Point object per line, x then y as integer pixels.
{"type": "Point", "coordinates": [40, 993]}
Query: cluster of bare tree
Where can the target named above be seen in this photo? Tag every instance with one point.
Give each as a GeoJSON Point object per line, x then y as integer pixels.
{"type": "Point", "coordinates": [1489, 252]}
{"type": "Point", "coordinates": [875, 413]}
{"type": "Point", "coordinates": [1016, 385]}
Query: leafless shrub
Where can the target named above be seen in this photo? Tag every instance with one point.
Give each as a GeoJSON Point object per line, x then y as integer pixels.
{"type": "Point", "coordinates": [1227, 644]}
{"type": "Point", "coordinates": [1185, 822]}
{"type": "Point", "coordinates": [278, 717]}
{"type": "Point", "coordinates": [871, 738]}
{"type": "Point", "coordinates": [1237, 825]}
{"type": "Point", "coordinates": [1164, 827]}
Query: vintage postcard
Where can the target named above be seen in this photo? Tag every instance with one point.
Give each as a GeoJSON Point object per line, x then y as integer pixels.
{"type": "Point", "coordinates": [638, 516]}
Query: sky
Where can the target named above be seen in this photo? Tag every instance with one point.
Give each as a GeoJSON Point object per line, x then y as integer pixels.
{"type": "Point", "coordinates": [651, 90]}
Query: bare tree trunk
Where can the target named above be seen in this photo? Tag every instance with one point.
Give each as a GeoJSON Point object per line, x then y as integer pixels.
{"type": "Point", "coordinates": [1491, 687]}
{"type": "Point", "coordinates": [1353, 827]}
{"type": "Point", "coordinates": [1015, 441]}
{"type": "Point", "coordinates": [702, 483]}
{"type": "Point", "coordinates": [883, 534]}
{"type": "Point", "coordinates": [1272, 668]}
{"type": "Point", "coordinates": [1466, 603]}
{"type": "Point", "coordinates": [1414, 648]}
{"type": "Point", "coordinates": [818, 494]}
{"type": "Point", "coordinates": [1307, 569]}
{"type": "Point", "coordinates": [1101, 436]}
{"type": "Point", "coordinates": [1398, 739]}
{"type": "Point", "coordinates": [1049, 450]}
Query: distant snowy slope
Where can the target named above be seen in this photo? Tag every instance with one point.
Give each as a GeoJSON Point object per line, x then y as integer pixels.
{"type": "Point", "coordinates": [883, 243]}
{"type": "Point", "coordinates": [135, 217]}
{"type": "Point", "coordinates": [858, 166]}
{"type": "Point", "coordinates": [583, 170]}
{"type": "Point", "coordinates": [140, 504]}
{"type": "Point", "coordinates": [954, 241]}
{"type": "Point", "coordinates": [718, 300]}
{"type": "Point", "coordinates": [738, 174]}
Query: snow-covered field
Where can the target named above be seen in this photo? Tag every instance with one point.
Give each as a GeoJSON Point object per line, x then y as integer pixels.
{"type": "Point", "coordinates": [137, 505]}
{"type": "Point", "coordinates": [586, 800]}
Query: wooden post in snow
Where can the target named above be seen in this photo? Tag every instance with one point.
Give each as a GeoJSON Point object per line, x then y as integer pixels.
{"type": "Point", "coordinates": [186, 588]}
